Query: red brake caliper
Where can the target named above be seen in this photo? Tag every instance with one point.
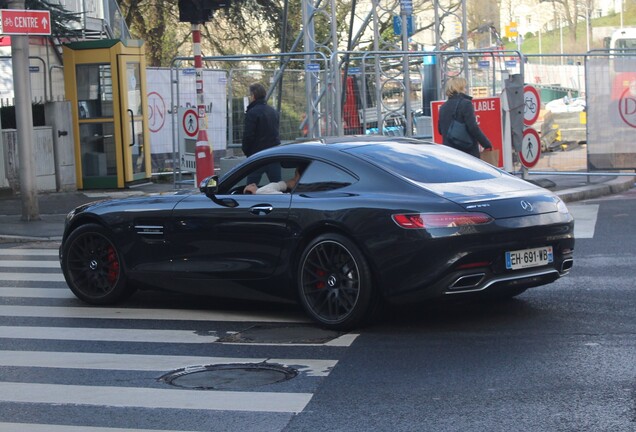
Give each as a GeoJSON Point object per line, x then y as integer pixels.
{"type": "Point", "coordinates": [113, 265]}
{"type": "Point", "coordinates": [321, 274]}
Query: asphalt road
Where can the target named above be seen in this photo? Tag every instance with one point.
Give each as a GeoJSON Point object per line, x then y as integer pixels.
{"type": "Point", "coordinates": [558, 358]}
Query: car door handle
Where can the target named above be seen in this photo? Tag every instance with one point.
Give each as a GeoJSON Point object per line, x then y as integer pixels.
{"type": "Point", "coordinates": [261, 209]}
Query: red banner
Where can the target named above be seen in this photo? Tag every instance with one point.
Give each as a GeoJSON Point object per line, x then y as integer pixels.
{"type": "Point", "coordinates": [488, 114]}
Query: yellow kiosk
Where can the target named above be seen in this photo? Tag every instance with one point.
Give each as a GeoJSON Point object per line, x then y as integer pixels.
{"type": "Point", "coordinates": [105, 80]}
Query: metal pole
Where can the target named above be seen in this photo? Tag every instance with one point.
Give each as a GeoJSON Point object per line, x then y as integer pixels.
{"type": "Point", "coordinates": [408, 127]}
{"type": "Point", "coordinates": [24, 123]}
{"type": "Point", "coordinates": [203, 159]}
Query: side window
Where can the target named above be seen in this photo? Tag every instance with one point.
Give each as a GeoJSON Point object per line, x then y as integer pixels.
{"type": "Point", "coordinates": [320, 176]}
{"type": "Point", "coordinates": [263, 174]}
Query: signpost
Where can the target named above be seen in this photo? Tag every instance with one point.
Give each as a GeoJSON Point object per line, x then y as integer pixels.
{"type": "Point", "coordinates": [530, 148]}
{"type": "Point", "coordinates": [25, 22]}
{"type": "Point", "coordinates": [532, 105]}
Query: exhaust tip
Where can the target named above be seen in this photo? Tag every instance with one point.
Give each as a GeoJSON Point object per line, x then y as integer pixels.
{"type": "Point", "coordinates": [467, 281]}
{"type": "Point", "coordinates": [567, 264]}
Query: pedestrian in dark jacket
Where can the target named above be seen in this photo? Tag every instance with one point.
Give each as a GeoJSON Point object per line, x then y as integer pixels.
{"type": "Point", "coordinates": [459, 105]}
{"type": "Point", "coordinates": [260, 130]}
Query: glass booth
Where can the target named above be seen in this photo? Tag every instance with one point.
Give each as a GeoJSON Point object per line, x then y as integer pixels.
{"type": "Point", "coordinates": [105, 80]}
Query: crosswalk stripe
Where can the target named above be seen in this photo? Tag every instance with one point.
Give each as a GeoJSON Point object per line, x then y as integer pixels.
{"type": "Point", "coordinates": [36, 292]}
{"type": "Point", "coordinates": [35, 277]}
{"type": "Point", "coordinates": [130, 397]}
{"type": "Point", "coordinates": [28, 252]}
{"type": "Point", "coordinates": [33, 427]}
{"type": "Point", "coordinates": [148, 363]}
{"type": "Point", "coordinates": [585, 216]}
{"type": "Point", "coordinates": [105, 334]}
{"type": "Point", "coordinates": [29, 264]}
{"type": "Point", "coordinates": [146, 314]}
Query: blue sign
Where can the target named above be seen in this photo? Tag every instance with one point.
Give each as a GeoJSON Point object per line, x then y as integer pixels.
{"type": "Point", "coordinates": [483, 63]}
{"type": "Point", "coordinates": [428, 60]}
{"type": "Point", "coordinates": [406, 6]}
{"type": "Point", "coordinates": [511, 63]}
{"type": "Point", "coordinates": [34, 68]}
{"type": "Point", "coordinates": [354, 71]}
{"type": "Point", "coordinates": [397, 25]}
{"type": "Point", "coordinates": [188, 71]}
{"type": "Point", "coordinates": [312, 67]}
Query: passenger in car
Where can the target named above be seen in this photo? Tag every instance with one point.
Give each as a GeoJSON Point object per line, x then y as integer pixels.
{"type": "Point", "coordinates": [274, 187]}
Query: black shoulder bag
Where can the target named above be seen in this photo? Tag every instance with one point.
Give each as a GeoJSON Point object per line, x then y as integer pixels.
{"type": "Point", "coordinates": [457, 135]}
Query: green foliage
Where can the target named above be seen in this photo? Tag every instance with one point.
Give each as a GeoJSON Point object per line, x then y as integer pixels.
{"type": "Point", "coordinates": [61, 20]}
{"type": "Point", "coordinates": [551, 41]}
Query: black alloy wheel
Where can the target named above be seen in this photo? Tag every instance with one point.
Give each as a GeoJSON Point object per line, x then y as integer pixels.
{"type": "Point", "coordinates": [335, 282]}
{"type": "Point", "coordinates": [93, 267]}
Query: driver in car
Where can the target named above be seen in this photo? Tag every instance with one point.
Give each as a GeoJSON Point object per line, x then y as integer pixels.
{"type": "Point", "coordinates": [274, 187]}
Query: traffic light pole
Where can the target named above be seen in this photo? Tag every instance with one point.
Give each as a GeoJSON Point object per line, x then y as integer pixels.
{"type": "Point", "coordinates": [203, 153]}
{"type": "Point", "coordinates": [24, 122]}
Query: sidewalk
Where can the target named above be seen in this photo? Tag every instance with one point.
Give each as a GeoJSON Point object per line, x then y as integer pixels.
{"type": "Point", "coordinates": [54, 206]}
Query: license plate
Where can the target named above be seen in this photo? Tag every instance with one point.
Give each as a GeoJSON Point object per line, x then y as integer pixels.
{"type": "Point", "coordinates": [525, 258]}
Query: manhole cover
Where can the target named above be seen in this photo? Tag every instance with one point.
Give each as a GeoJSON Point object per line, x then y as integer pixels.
{"type": "Point", "coordinates": [232, 376]}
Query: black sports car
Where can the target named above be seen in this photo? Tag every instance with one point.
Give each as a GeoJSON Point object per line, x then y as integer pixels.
{"type": "Point", "coordinates": [370, 219]}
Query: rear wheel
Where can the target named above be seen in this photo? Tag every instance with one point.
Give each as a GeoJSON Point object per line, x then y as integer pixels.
{"type": "Point", "coordinates": [335, 283]}
{"type": "Point", "coordinates": [93, 266]}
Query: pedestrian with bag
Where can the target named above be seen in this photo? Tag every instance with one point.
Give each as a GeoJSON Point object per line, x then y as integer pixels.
{"type": "Point", "coordinates": [457, 122]}
{"type": "Point", "coordinates": [261, 130]}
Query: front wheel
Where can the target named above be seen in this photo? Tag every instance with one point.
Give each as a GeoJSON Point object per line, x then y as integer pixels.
{"type": "Point", "coordinates": [335, 283]}
{"type": "Point", "coordinates": [93, 266]}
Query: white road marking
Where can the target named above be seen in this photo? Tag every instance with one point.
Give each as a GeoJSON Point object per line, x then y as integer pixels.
{"type": "Point", "coordinates": [29, 264]}
{"type": "Point", "coordinates": [104, 334]}
{"type": "Point", "coordinates": [148, 363]}
{"type": "Point", "coordinates": [585, 216]}
{"type": "Point", "coordinates": [36, 292]}
{"type": "Point", "coordinates": [130, 397]}
{"type": "Point", "coordinates": [145, 314]}
{"type": "Point", "coordinates": [34, 277]}
{"type": "Point", "coordinates": [33, 427]}
{"type": "Point", "coordinates": [28, 252]}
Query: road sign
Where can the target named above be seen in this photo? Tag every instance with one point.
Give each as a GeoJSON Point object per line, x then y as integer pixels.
{"type": "Point", "coordinates": [397, 25]}
{"type": "Point", "coordinates": [532, 105]}
{"type": "Point", "coordinates": [406, 7]}
{"type": "Point", "coordinates": [25, 22]}
{"type": "Point", "coordinates": [530, 148]}
{"type": "Point", "coordinates": [190, 123]}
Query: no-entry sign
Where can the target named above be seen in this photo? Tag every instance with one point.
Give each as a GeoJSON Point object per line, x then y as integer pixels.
{"type": "Point", "coordinates": [25, 22]}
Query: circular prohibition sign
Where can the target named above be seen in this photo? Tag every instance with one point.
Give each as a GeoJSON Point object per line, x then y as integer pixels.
{"type": "Point", "coordinates": [530, 148]}
{"type": "Point", "coordinates": [531, 105]}
{"type": "Point", "coordinates": [190, 123]}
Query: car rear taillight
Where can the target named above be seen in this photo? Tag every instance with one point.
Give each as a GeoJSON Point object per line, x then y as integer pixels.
{"type": "Point", "coordinates": [440, 220]}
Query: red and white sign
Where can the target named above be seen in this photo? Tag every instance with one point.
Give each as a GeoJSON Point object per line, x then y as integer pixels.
{"type": "Point", "coordinates": [488, 115]}
{"type": "Point", "coordinates": [532, 105]}
{"type": "Point", "coordinates": [190, 123]}
{"type": "Point", "coordinates": [530, 148]}
{"type": "Point", "coordinates": [25, 22]}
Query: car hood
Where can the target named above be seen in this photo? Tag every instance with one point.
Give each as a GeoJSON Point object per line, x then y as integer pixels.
{"type": "Point", "coordinates": [165, 200]}
{"type": "Point", "coordinates": [502, 197]}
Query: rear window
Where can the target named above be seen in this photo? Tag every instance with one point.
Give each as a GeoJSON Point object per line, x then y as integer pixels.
{"type": "Point", "coordinates": [426, 163]}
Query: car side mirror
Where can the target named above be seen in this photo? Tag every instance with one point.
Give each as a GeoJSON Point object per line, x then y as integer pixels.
{"type": "Point", "coordinates": [209, 185]}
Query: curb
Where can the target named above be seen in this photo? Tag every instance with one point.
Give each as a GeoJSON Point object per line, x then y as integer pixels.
{"type": "Point", "coordinates": [618, 185]}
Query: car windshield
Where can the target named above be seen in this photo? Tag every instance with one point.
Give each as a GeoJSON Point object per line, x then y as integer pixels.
{"type": "Point", "coordinates": [426, 163]}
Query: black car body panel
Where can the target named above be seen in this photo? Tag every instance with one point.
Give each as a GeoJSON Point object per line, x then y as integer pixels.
{"type": "Point", "coordinates": [228, 243]}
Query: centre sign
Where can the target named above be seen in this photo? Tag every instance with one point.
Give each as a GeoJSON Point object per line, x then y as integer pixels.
{"type": "Point", "coordinates": [25, 22]}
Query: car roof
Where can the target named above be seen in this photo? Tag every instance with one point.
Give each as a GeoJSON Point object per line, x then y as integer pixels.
{"type": "Point", "coordinates": [350, 140]}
